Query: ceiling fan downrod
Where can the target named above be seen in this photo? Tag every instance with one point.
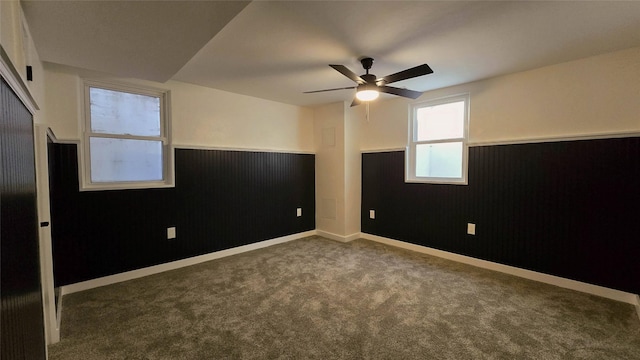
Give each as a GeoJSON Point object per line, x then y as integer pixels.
{"type": "Point", "coordinates": [367, 63]}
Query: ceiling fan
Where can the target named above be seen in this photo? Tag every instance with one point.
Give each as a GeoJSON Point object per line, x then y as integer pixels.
{"type": "Point", "coordinates": [369, 87]}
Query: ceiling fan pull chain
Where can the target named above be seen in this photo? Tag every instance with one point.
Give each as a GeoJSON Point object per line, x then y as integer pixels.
{"type": "Point", "coordinates": [367, 112]}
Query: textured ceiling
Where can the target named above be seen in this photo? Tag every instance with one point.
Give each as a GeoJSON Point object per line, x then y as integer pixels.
{"type": "Point", "coordinates": [278, 50]}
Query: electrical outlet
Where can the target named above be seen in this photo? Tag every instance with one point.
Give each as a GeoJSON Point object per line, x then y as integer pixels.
{"type": "Point", "coordinates": [471, 229]}
{"type": "Point", "coordinates": [171, 232]}
{"type": "Point", "coordinates": [299, 212]}
{"type": "Point", "coordinates": [372, 214]}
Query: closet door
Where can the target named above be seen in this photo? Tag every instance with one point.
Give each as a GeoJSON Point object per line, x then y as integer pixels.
{"type": "Point", "coordinates": [21, 316]}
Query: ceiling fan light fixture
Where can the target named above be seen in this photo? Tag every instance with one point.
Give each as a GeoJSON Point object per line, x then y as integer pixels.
{"type": "Point", "coordinates": [367, 92]}
{"type": "Point", "coordinates": [367, 95]}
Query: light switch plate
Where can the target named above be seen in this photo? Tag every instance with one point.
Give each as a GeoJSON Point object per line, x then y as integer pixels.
{"type": "Point", "coordinates": [171, 232]}
{"type": "Point", "coordinates": [372, 214]}
{"type": "Point", "coordinates": [299, 212]}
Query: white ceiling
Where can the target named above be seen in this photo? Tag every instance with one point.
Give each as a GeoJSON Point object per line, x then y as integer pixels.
{"type": "Point", "coordinates": [278, 50]}
{"type": "Point", "coordinates": [150, 40]}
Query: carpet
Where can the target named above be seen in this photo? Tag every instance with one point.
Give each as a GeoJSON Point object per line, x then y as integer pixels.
{"type": "Point", "coordinates": [315, 298]}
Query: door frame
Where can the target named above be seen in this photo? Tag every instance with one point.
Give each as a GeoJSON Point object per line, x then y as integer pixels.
{"type": "Point", "coordinates": [51, 314]}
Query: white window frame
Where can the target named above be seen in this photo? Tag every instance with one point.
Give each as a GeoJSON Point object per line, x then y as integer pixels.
{"type": "Point", "coordinates": [410, 153]}
{"type": "Point", "coordinates": [165, 136]}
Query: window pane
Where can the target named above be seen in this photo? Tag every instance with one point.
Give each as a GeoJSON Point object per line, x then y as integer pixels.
{"type": "Point", "coordinates": [114, 160]}
{"type": "Point", "coordinates": [439, 122]}
{"type": "Point", "coordinates": [116, 112]}
{"type": "Point", "coordinates": [442, 160]}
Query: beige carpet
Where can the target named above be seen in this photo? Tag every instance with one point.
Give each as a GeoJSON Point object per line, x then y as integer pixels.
{"type": "Point", "coordinates": [318, 299]}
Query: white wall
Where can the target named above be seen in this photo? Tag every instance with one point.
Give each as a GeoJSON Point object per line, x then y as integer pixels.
{"type": "Point", "coordinates": [17, 43]}
{"type": "Point", "coordinates": [200, 116]}
{"type": "Point", "coordinates": [338, 159]}
{"type": "Point", "coordinates": [592, 96]}
{"type": "Point", "coordinates": [329, 147]}
{"type": "Point", "coordinates": [11, 31]}
{"type": "Point", "coordinates": [203, 116]}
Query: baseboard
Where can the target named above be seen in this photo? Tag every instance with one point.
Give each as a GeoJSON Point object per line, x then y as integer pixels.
{"type": "Point", "coordinates": [337, 237]}
{"type": "Point", "coordinates": [511, 270]}
{"type": "Point", "coordinates": [527, 274]}
{"type": "Point", "coordinates": [134, 274]}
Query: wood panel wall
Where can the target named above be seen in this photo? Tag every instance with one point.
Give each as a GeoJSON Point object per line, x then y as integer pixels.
{"type": "Point", "coordinates": [568, 208]}
{"type": "Point", "coordinates": [222, 199]}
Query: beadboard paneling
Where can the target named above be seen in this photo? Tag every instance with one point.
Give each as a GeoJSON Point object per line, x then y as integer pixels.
{"type": "Point", "coordinates": [222, 199]}
{"type": "Point", "coordinates": [566, 208]}
{"type": "Point", "coordinates": [22, 326]}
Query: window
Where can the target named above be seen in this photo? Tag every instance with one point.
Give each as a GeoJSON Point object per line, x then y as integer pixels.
{"type": "Point", "coordinates": [126, 142]}
{"type": "Point", "coordinates": [437, 151]}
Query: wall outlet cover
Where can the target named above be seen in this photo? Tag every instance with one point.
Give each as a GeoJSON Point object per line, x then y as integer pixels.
{"type": "Point", "coordinates": [471, 229]}
{"type": "Point", "coordinates": [299, 212]}
{"type": "Point", "coordinates": [372, 214]}
{"type": "Point", "coordinates": [171, 232]}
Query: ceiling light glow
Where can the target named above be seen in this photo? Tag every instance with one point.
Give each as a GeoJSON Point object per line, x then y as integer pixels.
{"type": "Point", "coordinates": [367, 95]}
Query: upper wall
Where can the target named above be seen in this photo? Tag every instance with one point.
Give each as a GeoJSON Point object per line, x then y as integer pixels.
{"type": "Point", "coordinates": [200, 116]}
{"type": "Point", "coordinates": [11, 32]}
{"type": "Point", "coordinates": [592, 96]}
{"type": "Point", "coordinates": [18, 44]}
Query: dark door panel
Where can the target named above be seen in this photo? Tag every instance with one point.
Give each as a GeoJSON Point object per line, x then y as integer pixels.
{"type": "Point", "coordinates": [22, 328]}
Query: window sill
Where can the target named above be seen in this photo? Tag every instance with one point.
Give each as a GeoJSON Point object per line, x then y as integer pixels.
{"type": "Point", "coordinates": [126, 186]}
{"type": "Point", "coordinates": [441, 181]}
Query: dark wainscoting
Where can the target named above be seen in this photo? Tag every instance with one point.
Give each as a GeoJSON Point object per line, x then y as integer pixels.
{"type": "Point", "coordinates": [21, 319]}
{"type": "Point", "coordinates": [567, 208]}
{"type": "Point", "coordinates": [222, 199]}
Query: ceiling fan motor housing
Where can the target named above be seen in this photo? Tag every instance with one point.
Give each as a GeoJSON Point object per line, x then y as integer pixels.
{"type": "Point", "coordinates": [368, 78]}
{"type": "Point", "coordinates": [367, 63]}
{"type": "Point", "coordinates": [367, 86]}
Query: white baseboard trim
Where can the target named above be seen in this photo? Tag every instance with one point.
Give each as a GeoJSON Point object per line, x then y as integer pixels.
{"type": "Point", "coordinates": [527, 274]}
{"type": "Point", "coordinates": [511, 270]}
{"type": "Point", "coordinates": [134, 274]}
{"type": "Point", "coordinates": [337, 237]}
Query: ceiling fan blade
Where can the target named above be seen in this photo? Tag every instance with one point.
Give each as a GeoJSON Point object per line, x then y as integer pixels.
{"type": "Point", "coordinates": [400, 92]}
{"type": "Point", "coordinates": [317, 91]}
{"type": "Point", "coordinates": [348, 73]}
{"type": "Point", "coordinates": [419, 70]}
{"type": "Point", "coordinates": [355, 102]}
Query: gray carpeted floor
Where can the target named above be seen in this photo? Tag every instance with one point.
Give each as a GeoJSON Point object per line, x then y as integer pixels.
{"type": "Point", "coordinates": [318, 299]}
